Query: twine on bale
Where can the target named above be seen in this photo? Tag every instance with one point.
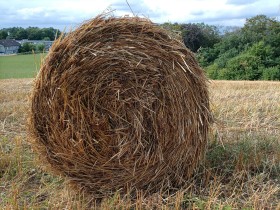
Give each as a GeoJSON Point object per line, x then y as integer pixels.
{"type": "Point", "coordinates": [120, 104]}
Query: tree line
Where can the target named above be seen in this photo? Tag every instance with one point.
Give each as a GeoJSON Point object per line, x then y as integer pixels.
{"type": "Point", "coordinates": [31, 33]}
{"type": "Point", "coordinates": [251, 52]}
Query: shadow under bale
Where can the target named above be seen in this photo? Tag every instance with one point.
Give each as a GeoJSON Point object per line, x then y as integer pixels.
{"type": "Point", "coordinates": [120, 105]}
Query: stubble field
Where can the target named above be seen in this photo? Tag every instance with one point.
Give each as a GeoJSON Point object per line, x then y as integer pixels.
{"type": "Point", "coordinates": [241, 169]}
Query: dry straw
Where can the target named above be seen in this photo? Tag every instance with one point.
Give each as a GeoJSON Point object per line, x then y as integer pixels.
{"type": "Point", "coordinates": [120, 105]}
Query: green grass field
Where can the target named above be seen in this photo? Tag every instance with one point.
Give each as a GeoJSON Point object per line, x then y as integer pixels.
{"type": "Point", "coordinates": [20, 66]}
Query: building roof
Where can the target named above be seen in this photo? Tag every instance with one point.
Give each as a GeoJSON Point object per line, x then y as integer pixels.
{"type": "Point", "coordinates": [9, 42]}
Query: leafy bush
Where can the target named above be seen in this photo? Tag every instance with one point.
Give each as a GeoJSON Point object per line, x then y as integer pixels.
{"type": "Point", "coordinates": [40, 47]}
{"type": "Point", "coordinates": [249, 53]}
{"type": "Point", "coordinates": [272, 73]}
{"type": "Point", "coordinates": [27, 47]}
{"type": "Point", "coordinates": [243, 67]}
{"type": "Point", "coordinates": [222, 60]}
{"type": "Point", "coordinates": [212, 71]}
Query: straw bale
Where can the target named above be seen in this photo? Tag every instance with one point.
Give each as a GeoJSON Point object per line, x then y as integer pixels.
{"type": "Point", "coordinates": [120, 105]}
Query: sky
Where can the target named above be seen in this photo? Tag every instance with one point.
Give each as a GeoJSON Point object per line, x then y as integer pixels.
{"type": "Point", "coordinates": [66, 14]}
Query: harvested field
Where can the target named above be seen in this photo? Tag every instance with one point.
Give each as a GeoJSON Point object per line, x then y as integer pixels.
{"type": "Point", "coordinates": [241, 170]}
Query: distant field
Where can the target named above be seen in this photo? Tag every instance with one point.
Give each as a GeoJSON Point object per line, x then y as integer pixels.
{"type": "Point", "coordinates": [20, 66]}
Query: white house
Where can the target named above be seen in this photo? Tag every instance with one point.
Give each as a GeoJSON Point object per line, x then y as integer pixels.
{"type": "Point", "coordinates": [9, 46]}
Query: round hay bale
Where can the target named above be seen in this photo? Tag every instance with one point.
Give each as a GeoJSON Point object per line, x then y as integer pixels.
{"type": "Point", "coordinates": [120, 104]}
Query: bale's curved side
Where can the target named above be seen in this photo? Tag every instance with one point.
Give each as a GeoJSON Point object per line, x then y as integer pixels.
{"type": "Point", "coordinates": [119, 104]}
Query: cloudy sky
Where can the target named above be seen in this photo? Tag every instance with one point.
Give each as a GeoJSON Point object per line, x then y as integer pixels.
{"type": "Point", "coordinates": [69, 13]}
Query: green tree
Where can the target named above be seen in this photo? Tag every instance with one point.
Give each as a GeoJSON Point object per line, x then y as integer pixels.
{"type": "Point", "coordinates": [3, 34]}
{"type": "Point", "coordinates": [27, 47]}
{"type": "Point", "coordinates": [40, 47]}
{"type": "Point", "coordinates": [251, 52]}
{"type": "Point", "coordinates": [31, 33]}
{"type": "Point", "coordinates": [192, 36]}
{"type": "Point", "coordinates": [244, 67]}
{"type": "Point", "coordinates": [211, 35]}
{"type": "Point", "coordinates": [198, 35]}
{"type": "Point", "coordinates": [229, 46]}
{"type": "Point", "coordinates": [271, 73]}
{"type": "Point", "coordinates": [34, 33]}
{"type": "Point", "coordinates": [46, 38]}
{"type": "Point", "coordinates": [258, 28]}
{"type": "Point", "coordinates": [21, 33]}
{"type": "Point", "coordinates": [11, 32]}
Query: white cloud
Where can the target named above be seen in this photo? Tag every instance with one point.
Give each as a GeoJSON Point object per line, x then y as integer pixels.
{"type": "Point", "coordinates": [26, 13]}
{"type": "Point", "coordinates": [240, 2]}
{"type": "Point", "coordinates": [68, 13]}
